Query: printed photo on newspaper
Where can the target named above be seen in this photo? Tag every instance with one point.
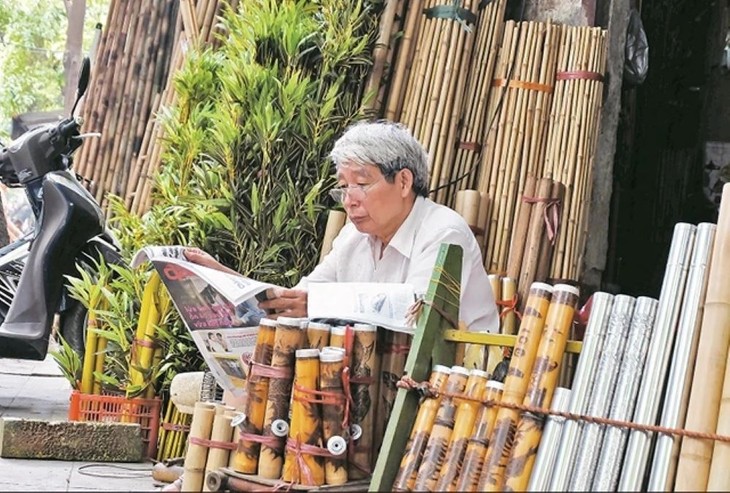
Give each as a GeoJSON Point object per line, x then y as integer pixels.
{"type": "Point", "coordinates": [219, 309]}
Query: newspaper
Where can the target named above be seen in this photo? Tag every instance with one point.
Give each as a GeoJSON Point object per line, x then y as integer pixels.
{"type": "Point", "coordinates": [384, 304]}
{"type": "Point", "coordinates": [219, 309]}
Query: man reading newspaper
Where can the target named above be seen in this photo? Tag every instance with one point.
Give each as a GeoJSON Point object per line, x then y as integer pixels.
{"type": "Point", "coordinates": [394, 231]}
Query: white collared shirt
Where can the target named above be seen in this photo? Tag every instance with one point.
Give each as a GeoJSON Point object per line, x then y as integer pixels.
{"type": "Point", "coordinates": [410, 258]}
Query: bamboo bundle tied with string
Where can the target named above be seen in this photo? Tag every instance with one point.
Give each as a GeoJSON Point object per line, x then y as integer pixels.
{"type": "Point", "coordinates": [392, 20]}
{"type": "Point", "coordinates": [515, 141]}
{"type": "Point", "coordinates": [138, 55]}
{"type": "Point", "coordinates": [572, 137]}
{"type": "Point", "coordinates": [474, 115]}
{"type": "Point", "coordinates": [440, 38]}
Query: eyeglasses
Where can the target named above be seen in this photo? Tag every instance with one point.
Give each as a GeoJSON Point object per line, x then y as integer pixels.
{"type": "Point", "coordinates": [355, 192]}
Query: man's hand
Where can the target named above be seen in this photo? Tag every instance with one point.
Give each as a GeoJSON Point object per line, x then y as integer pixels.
{"type": "Point", "coordinates": [286, 303]}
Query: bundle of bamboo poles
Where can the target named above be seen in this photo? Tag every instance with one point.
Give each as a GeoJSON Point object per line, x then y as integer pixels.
{"type": "Point", "coordinates": [210, 442]}
{"type": "Point", "coordinates": [572, 138]}
{"type": "Point", "coordinates": [140, 50]}
{"type": "Point", "coordinates": [535, 232]}
{"type": "Point", "coordinates": [295, 425]}
{"type": "Point", "coordinates": [392, 23]}
{"type": "Point", "coordinates": [474, 116]}
{"type": "Point", "coordinates": [515, 142]}
{"type": "Point", "coordinates": [173, 434]}
{"type": "Point", "coordinates": [427, 97]}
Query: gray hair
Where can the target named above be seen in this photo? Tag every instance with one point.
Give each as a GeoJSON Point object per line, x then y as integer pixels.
{"type": "Point", "coordinates": [389, 146]}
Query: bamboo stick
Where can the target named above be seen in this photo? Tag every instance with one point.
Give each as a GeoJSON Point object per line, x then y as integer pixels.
{"type": "Point", "coordinates": [519, 234]}
{"type": "Point", "coordinates": [222, 432]}
{"type": "Point", "coordinates": [331, 361]}
{"type": "Point", "coordinates": [405, 480]}
{"type": "Point", "coordinates": [464, 420]}
{"type": "Point", "coordinates": [363, 388]}
{"type": "Point", "coordinates": [433, 454]}
{"type": "Point", "coordinates": [196, 455]}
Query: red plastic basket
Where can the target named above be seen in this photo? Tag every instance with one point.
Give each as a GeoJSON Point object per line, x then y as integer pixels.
{"type": "Point", "coordinates": [118, 409]}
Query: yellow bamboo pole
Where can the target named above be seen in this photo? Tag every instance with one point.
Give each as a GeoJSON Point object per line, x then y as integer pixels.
{"type": "Point", "coordinates": [438, 441]}
{"type": "Point", "coordinates": [405, 480]}
{"type": "Point", "coordinates": [515, 386]}
{"type": "Point", "coordinates": [464, 420]}
{"type": "Point", "coordinates": [245, 458]}
{"type": "Point", "coordinates": [301, 466]}
{"type": "Point", "coordinates": [476, 448]}
{"type": "Point", "coordinates": [543, 381]}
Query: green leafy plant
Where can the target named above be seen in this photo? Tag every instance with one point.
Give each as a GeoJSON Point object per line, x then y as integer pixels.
{"type": "Point", "coordinates": [68, 361]}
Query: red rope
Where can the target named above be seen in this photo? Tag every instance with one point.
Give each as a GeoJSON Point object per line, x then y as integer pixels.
{"type": "Point", "coordinates": [509, 306]}
{"type": "Point", "coordinates": [267, 441]}
{"type": "Point", "coordinates": [261, 370]}
{"type": "Point", "coordinates": [299, 449]}
{"type": "Point", "coordinates": [551, 214]}
{"type": "Point", "coordinates": [212, 443]}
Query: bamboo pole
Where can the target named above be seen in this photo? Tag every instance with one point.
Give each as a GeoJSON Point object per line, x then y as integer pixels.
{"type": "Point", "coordinates": [317, 335]}
{"type": "Point", "coordinates": [515, 386]}
{"type": "Point", "coordinates": [706, 395]}
{"type": "Point", "coordinates": [405, 480]}
{"type": "Point", "coordinates": [543, 381]}
{"type": "Point", "coordinates": [197, 454]}
{"type": "Point", "coordinates": [464, 420]}
{"type": "Point", "coordinates": [535, 230]}
{"type": "Point", "coordinates": [392, 363]}
{"type": "Point", "coordinates": [302, 466]}
{"type": "Point", "coordinates": [519, 234]}
{"type": "Point", "coordinates": [287, 339]}
{"type": "Point", "coordinates": [331, 363]}
{"type": "Point", "coordinates": [363, 387]}
{"type": "Point", "coordinates": [434, 453]}
{"type": "Point", "coordinates": [380, 55]}
{"type": "Point", "coordinates": [476, 448]}
{"type": "Point", "coordinates": [246, 457]}
{"type": "Point", "coordinates": [218, 455]}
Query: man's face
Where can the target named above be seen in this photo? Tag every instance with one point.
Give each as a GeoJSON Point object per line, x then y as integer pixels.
{"type": "Point", "coordinates": [374, 205]}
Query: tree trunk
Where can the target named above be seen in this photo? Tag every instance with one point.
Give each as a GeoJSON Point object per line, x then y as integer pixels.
{"type": "Point", "coordinates": [75, 12]}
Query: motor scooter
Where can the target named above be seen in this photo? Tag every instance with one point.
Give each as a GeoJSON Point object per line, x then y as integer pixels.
{"type": "Point", "coordinates": [70, 231]}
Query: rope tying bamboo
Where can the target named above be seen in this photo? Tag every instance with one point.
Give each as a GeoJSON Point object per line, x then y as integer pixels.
{"type": "Point", "coordinates": [427, 390]}
{"type": "Point", "coordinates": [212, 443]}
{"type": "Point", "coordinates": [551, 214]}
{"type": "Point", "coordinates": [261, 370]}
{"type": "Point", "coordinates": [579, 75]}
{"type": "Point", "coordinates": [521, 84]}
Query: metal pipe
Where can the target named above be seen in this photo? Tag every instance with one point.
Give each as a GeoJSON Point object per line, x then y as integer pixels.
{"type": "Point", "coordinates": [660, 346]}
{"type": "Point", "coordinates": [609, 363]}
{"type": "Point", "coordinates": [624, 399]}
{"type": "Point", "coordinates": [548, 451]}
{"type": "Point", "coordinates": [582, 383]}
{"type": "Point", "coordinates": [681, 369]}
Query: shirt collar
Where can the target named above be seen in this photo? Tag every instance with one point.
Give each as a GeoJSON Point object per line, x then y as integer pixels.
{"type": "Point", "coordinates": [402, 240]}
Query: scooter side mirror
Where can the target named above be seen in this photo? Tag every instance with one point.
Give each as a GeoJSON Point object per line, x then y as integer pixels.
{"type": "Point", "coordinates": [83, 81]}
{"type": "Point", "coordinates": [83, 77]}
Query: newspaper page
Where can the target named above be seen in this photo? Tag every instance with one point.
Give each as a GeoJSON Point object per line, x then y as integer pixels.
{"type": "Point", "coordinates": [383, 304]}
{"type": "Point", "coordinates": [219, 309]}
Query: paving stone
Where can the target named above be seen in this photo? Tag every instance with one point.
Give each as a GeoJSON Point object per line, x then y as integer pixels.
{"type": "Point", "coordinates": [70, 440]}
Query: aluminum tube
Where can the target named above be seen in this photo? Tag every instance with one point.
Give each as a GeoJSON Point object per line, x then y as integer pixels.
{"type": "Point", "coordinates": [548, 450]}
{"type": "Point", "coordinates": [624, 401]}
{"type": "Point", "coordinates": [657, 359]}
{"type": "Point", "coordinates": [585, 374]}
{"type": "Point", "coordinates": [685, 350]}
{"type": "Point", "coordinates": [591, 435]}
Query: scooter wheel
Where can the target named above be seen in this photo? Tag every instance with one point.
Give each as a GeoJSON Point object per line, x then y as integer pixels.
{"type": "Point", "coordinates": [73, 327]}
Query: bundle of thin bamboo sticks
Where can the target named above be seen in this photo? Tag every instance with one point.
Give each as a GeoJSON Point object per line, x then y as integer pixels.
{"type": "Point", "coordinates": [392, 23]}
{"type": "Point", "coordinates": [140, 50]}
{"type": "Point", "coordinates": [577, 103]}
{"type": "Point", "coordinates": [515, 142]}
{"type": "Point", "coordinates": [474, 116]}
{"type": "Point", "coordinates": [427, 97]}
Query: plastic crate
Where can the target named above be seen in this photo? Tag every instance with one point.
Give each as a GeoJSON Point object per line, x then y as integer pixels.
{"type": "Point", "coordinates": [119, 409]}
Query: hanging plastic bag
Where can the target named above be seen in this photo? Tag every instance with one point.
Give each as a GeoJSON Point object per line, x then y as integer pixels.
{"type": "Point", "coordinates": [636, 64]}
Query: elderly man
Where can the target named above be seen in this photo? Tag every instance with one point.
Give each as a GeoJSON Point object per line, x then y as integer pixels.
{"type": "Point", "coordinates": [395, 231]}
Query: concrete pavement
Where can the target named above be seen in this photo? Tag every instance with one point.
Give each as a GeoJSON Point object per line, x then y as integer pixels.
{"type": "Point", "coordinates": [37, 390]}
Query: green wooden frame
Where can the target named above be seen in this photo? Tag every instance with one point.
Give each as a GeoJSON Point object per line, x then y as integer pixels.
{"type": "Point", "coordinates": [423, 355]}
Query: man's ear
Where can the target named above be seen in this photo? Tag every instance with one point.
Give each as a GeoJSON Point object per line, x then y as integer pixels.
{"type": "Point", "coordinates": [405, 181]}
